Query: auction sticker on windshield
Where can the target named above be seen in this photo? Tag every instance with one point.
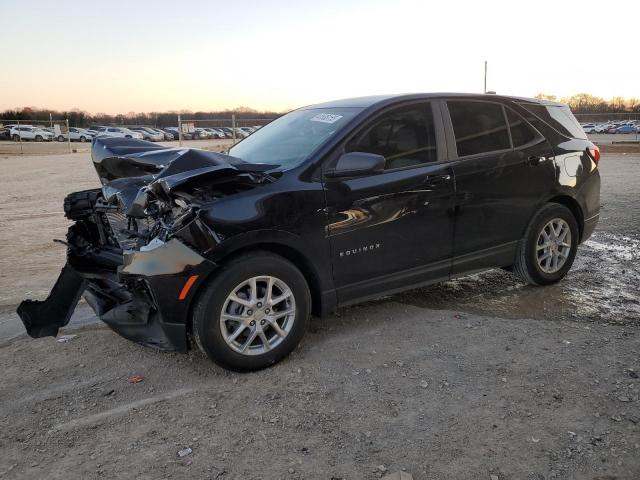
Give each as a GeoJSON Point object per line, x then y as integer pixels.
{"type": "Point", "coordinates": [326, 118]}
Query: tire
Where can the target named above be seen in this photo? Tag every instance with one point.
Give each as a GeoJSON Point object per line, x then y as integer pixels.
{"type": "Point", "coordinates": [16, 138]}
{"type": "Point", "coordinates": [207, 318]}
{"type": "Point", "coordinates": [39, 138]}
{"type": "Point", "coordinates": [83, 139]}
{"type": "Point", "coordinates": [60, 138]}
{"type": "Point", "coordinates": [531, 265]}
{"type": "Point", "coordinates": [79, 205]}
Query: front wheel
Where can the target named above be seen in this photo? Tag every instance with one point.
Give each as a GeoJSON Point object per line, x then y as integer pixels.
{"type": "Point", "coordinates": [549, 246]}
{"type": "Point", "coordinates": [253, 313]}
{"type": "Point", "coordinates": [60, 138]}
{"type": "Point", "coordinates": [39, 138]}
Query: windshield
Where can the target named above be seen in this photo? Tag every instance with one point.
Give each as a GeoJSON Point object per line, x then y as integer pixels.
{"type": "Point", "coordinates": [290, 139]}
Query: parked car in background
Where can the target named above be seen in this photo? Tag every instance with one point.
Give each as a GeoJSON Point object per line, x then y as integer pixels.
{"type": "Point", "coordinates": [214, 133]}
{"type": "Point", "coordinates": [148, 134]}
{"type": "Point", "coordinates": [202, 134]}
{"type": "Point", "coordinates": [118, 132]}
{"type": "Point", "coordinates": [30, 133]}
{"type": "Point", "coordinates": [76, 135]}
{"type": "Point", "coordinates": [175, 131]}
{"type": "Point", "coordinates": [227, 131]}
{"type": "Point", "coordinates": [626, 129]}
{"type": "Point", "coordinates": [5, 133]}
{"type": "Point", "coordinates": [240, 133]}
{"type": "Point", "coordinates": [167, 136]}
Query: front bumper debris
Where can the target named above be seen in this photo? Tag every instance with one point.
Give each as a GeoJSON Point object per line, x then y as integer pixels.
{"type": "Point", "coordinates": [143, 300]}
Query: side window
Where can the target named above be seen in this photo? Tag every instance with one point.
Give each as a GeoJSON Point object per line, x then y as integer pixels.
{"type": "Point", "coordinates": [113, 130]}
{"type": "Point", "coordinates": [559, 117]}
{"type": "Point", "coordinates": [521, 132]}
{"type": "Point", "coordinates": [479, 127]}
{"type": "Point", "coordinates": [405, 136]}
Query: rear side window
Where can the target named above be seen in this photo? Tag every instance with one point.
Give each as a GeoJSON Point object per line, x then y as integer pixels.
{"type": "Point", "coordinates": [521, 131]}
{"type": "Point", "coordinates": [404, 136]}
{"type": "Point", "coordinates": [479, 127]}
{"type": "Point", "coordinates": [557, 117]}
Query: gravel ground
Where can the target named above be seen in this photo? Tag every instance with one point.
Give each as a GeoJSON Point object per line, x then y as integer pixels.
{"type": "Point", "coordinates": [476, 378]}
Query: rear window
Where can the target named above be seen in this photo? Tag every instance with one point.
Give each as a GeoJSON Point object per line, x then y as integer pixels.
{"type": "Point", "coordinates": [479, 127]}
{"type": "Point", "coordinates": [557, 117]}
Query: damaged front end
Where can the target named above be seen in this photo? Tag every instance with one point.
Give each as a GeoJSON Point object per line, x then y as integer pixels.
{"type": "Point", "coordinates": [137, 250]}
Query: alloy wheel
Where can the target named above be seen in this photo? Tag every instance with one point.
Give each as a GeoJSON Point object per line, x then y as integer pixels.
{"type": "Point", "coordinates": [257, 315]}
{"type": "Point", "coordinates": [553, 246]}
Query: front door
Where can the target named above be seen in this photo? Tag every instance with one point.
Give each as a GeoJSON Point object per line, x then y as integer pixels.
{"type": "Point", "coordinates": [395, 228]}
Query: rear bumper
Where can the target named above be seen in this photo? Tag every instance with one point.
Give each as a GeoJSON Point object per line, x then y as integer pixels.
{"type": "Point", "coordinates": [589, 227]}
{"type": "Point", "coordinates": [143, 298]}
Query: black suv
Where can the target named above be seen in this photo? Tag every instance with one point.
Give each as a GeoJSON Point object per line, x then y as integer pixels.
{"type": "Point", "coordinates": [326, 206]}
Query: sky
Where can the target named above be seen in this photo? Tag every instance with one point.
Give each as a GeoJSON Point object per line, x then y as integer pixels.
{"type": "Point", "coordinates": [141, 56]}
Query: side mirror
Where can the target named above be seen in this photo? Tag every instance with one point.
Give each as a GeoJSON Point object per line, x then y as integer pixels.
{"type": "Point", "coordinates": [355, 164]}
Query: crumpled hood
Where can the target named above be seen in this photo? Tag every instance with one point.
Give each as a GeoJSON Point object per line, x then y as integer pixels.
{"type": "Point", "coordinates": [115, 158]}
{"type": "Point", "coordinates": [129, 169]}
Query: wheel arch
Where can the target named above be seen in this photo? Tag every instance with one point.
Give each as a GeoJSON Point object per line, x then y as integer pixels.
{"type": "Point", "coordinates": [299, 260]}
{"type": "Point", "coordinates": [575, 208]}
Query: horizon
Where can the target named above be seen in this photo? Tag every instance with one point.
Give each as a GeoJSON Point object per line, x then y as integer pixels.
{"type": "Point", "coordinates": [150, 57]}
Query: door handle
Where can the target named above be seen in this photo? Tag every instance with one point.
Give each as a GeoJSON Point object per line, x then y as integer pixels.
{"type": "Point", "coordinates": [535, 160]}
{"type": "Point", "coordinates": [436, 180]}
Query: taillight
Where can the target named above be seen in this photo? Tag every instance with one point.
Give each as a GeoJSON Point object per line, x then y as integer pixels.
{"type": "Point", "coordinates": [594, 153]}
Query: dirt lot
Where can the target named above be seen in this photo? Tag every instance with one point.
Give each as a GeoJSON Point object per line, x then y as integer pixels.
{"type": "Point", "coordinates": [469, 379]}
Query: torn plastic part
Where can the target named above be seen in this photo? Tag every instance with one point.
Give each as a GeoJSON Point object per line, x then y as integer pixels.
{"type": "Point", "coordinates": [45, 318]}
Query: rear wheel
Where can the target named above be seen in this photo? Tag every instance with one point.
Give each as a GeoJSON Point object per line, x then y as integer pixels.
{"type": "Point", "coordinates": [60, 138]}
{"type": "Point", "coordinates": [549, 246]}
{"type": "Point", "coordinates": [15, 138]}
{"type": "Point", "coordinates": [83, 139]}
{"type": "Point", "coordinates": [253, 313]}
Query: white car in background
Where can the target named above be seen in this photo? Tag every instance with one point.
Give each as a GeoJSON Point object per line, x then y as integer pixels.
{"type": "Point", "coordinates": [24, 132]}
{"type": "Point", "coordinates": [76, 135]}
{"type": "Point", "coordinates": [118, 132]}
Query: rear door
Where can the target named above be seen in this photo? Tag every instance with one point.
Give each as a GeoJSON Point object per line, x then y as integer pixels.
{"type": "Point", "coordinates": [504, 169]}
{"type": "Point", "coordinates": [394, 228]}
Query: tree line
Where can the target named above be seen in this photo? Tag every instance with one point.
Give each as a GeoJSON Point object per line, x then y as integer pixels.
{"type": "Point", "coordinates": [585, 103]}
{"type": "Point", "coordinates": [581, 103]}
{"type": "Point", "coordinates": [79, 118]}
